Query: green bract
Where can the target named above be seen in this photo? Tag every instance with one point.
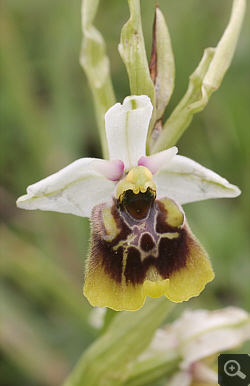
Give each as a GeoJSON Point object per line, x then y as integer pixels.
{"type": "Point", "coordinates": [95, 63]}
{"type": "Point", "coordinates": [158, 83]}
{"type": "Point", "coordinates": [133, 53]}
{"type": "Point", "coordinates": [163, 65]}
{"type": "Point", "coordinates": [204, 81]}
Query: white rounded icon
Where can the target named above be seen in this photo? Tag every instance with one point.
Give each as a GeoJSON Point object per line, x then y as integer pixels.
{"type": "Point", "coordinates": [232, 368]}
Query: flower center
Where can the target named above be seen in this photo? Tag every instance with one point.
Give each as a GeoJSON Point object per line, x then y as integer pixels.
{"type": "Point", "coordinates": [136, 192]}
{"type": "Point", "coordinates": [138, 180]}
{"type": "Point", "coordinates": [137, 205]}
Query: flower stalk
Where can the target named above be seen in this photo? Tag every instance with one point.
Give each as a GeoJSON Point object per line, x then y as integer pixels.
{"type": "Point", "coordinates": [108, 360]}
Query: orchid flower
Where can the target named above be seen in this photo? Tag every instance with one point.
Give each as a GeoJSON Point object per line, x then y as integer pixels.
{"type": "Point", "coordinates": [197, 337]}
{"type": "Point", "coordinates": [140, 240]}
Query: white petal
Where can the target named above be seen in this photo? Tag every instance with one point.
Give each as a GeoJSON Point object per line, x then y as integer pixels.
{"type": "Point", "coordinates": [163, 341]}
{"type": "Point", "coordinates": [200, 321]}
{"type": "Point", "coordinates": [74, 189]}
{"type": "Point", "coordinates": [127, 127]}
{"type": "Point", "coordinates": [187, 181]}
{"type": "Point", "coordinates": [213, 342]}
{"type": "Point", "coordinates": [203, 333]}
{"type": "Point", "coordinates": [203, 373]}
{"type": "Point", "coordinates": [181, 378]}
{"type": "Point", "coordinates": [157, 161]}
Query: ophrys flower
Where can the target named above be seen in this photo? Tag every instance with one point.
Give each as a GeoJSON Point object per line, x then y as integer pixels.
{"type": "Point", "coordinates": [140, 241]}
{"type": "Point", "coordinates": [196, 338]}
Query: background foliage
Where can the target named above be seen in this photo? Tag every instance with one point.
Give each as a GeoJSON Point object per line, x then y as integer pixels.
{"type": "Point", "coordinates": [47, 121]}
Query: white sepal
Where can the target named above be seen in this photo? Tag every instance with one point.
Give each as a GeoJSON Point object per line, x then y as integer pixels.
{"type": "Point", "coordinates": [203, 333]}
{"type": "Point", "coordinates": [126, 129]}
{"type": "Point", "coordinates": [74, 189]}
{"type": "Point", "coordinates": [185, 181]}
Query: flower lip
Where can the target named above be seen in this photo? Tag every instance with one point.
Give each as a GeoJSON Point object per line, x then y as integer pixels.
{"type": "Point", "coordinates": [148, 253]}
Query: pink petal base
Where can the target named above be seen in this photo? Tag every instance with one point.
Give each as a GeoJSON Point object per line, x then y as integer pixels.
{"type": "Point", "coordinates": [201, 372]}
{"type": "Point", "coordinates": [112, 170]}
{"type": "Point", "coordinates": [157, 161]}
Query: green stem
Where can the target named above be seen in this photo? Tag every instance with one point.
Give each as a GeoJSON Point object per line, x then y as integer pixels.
{"type": "Point", "coordinates": [108, 360]}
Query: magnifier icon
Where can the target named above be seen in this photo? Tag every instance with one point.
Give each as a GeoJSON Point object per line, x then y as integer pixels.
{"type": "Point", "coordinates": [232, 368]}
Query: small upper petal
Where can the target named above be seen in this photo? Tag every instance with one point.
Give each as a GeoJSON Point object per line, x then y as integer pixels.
{"type": "Point", "coordinates": [187, 181]}
{"type": "Point", "coordinates": [127, 127]}
{"type": "Point", "coordinates": [157, 161]}
{"type": "Point", "coordinates": [112, 170]}
{"type": "Point", "coordinates": [74, 189]}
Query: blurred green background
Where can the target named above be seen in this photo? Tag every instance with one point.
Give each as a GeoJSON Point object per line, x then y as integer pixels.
{"type": "Point", "coordinates": [47, 121]}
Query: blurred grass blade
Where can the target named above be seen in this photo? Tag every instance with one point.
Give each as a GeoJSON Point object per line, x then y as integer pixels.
{"type": "Point", "coordinates": [19, 79]}
{"type": "Point", "coordinates": [95, 63]}
{"type": "Point", "coordinates": [145, 372]}
{"type": "Point", "coordinates": [204, 81]}
{"type": "Point", "coordinates": [22, 342]}
{"type": "Point", "coordinates": [162, 67]}
{"type": "Point", "coordinates": [107, 361]}
{"type": "Point", "coordinates": [133, 53]}
{"type": "Point", "coordinates": [40, 278]}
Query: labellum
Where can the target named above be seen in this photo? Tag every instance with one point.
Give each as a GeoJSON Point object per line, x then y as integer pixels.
{"type": "Point", "coordinates": [141, 245]}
